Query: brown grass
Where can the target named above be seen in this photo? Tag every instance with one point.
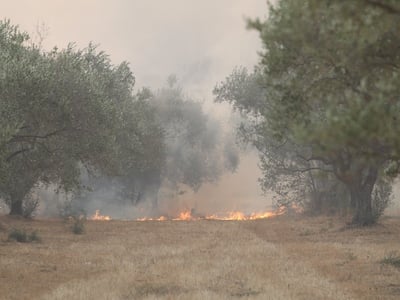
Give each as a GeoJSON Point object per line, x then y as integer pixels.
{"type": "Point", "coordinates": [279, 258]}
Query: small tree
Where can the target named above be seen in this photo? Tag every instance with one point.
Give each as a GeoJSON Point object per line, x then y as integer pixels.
{"type": "Point", "coordinates": [196, 147]}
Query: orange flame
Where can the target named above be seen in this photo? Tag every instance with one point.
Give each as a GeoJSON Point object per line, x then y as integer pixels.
{"type": "Point", "coordinates": [98, 217]}
{"type": "Point", "coordinates": [184, 216]}
{"type": "Point", "coordinates": [230, 216]}
{"type": "Point", "coordinates": [162, 218]}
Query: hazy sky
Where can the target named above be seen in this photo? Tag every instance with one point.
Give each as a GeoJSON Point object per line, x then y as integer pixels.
{"type": "Point", "coordinates": [199, 41]}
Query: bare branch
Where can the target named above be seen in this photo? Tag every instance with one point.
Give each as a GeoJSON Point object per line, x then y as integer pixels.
{"type": "Point", "coordinates": [12, 155]}
{"type": "Point", "coordinates": [384, 6]}
{"type": "Point", "coordinates": [40, 136]}
{"type": "Point", "coordinates": [307, 170]}
{"type": "Point", "coordinates": [315, 158]}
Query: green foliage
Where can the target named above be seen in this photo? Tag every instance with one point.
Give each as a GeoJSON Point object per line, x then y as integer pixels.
{"type": "Point", "coordinates": [197, 151]}
{"type": "Point", "coordinates": [333, 88]}
{"type": "Point", "coordinates": [286, 172]}
{"type": "Point", "coordinates": [392, 258]}
{"type": "Point", "coordinates": [67, 114]}
{"type": "Point", "coordinates": [329, 82]}
{"type": "Point", "coordinates": [176, 145]}
{"type": "Point", "coordinates": [22, 236]}
{"type": "Point", "coordinates": [244, 90]}
{"type": "Point", "coordinates": [65, 111]}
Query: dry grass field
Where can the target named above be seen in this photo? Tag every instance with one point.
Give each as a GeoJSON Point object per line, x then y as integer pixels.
{"type": "Point", "coordinates": [276, 258]}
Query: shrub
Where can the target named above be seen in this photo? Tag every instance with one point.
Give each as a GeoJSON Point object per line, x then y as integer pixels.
{"type": "Point", "coordinates": [78, 227]}
{"type": "Point", "coordinates": [35, 237]}
{"type": "Point", "coordinates": [393, 258]}
{"type": "Point", "coordinates": [22, 236]}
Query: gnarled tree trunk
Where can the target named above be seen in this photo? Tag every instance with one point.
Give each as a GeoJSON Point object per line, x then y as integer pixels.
{"type": "Point", "coordinates": [17, 197]}
{"type": "Point", "coordinates": [16, 206]}
{"type": "Point", "coordinates": [362, 206]}
{"type": "Point", "coordinates": [361, 197]}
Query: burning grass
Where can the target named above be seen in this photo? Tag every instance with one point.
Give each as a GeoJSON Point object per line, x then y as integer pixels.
{"type": "Point", "coordinates": [207, 259]}
{"type": "Point", "coordinates": [189, 215]}
{"type": "Point", "coordinates": [99, 217]}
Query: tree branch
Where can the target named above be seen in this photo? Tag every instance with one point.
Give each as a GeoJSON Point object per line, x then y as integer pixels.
{"type": "Point", "coordinates": [315, 158]}
{"type": "Point", "coordinates": [55, 132]}
{"type": "Point", "coordinates": [12, 155]}
{"type": "Point", "coordinates": [307, 170]}
{"type": "Point", "coordinates": [384, 6]}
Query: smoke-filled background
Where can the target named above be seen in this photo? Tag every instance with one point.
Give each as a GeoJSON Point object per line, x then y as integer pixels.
{"type": "Point", "coordinates": [198, 41]}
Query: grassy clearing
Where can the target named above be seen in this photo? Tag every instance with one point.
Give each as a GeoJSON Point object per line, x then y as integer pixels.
{"type": "Point", "coordinates": [266, 259]}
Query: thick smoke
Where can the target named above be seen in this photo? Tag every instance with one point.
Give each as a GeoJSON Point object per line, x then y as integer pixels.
{"type": "Point", "coordinates": [200, 52]}
{"type": "Point", "coordinates": [201, 152]}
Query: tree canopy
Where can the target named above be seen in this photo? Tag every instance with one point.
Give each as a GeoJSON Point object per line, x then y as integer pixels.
{"type": "Point", "coordinates": [329, 72]}
{"type": "Point", "coordinates": [197, 149]}
{"type": "Point", "coordinates": [71, 118]}
{"type": "Point", "coordinates": [194, 150]}
{"type": "Point", "coordinates": [65, 110]}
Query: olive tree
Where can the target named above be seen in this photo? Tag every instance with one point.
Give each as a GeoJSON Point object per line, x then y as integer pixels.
{"type": "Point", "coordinates": [66, 110]}
{"type": "Point", "coordinates": [179, 147]}
{"type": "Point", "coordinates": [323, 102]}
{"type": "Point", "coordinates": [286, 170]}
{"type": "Point", "coordinates": [331, 74]}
